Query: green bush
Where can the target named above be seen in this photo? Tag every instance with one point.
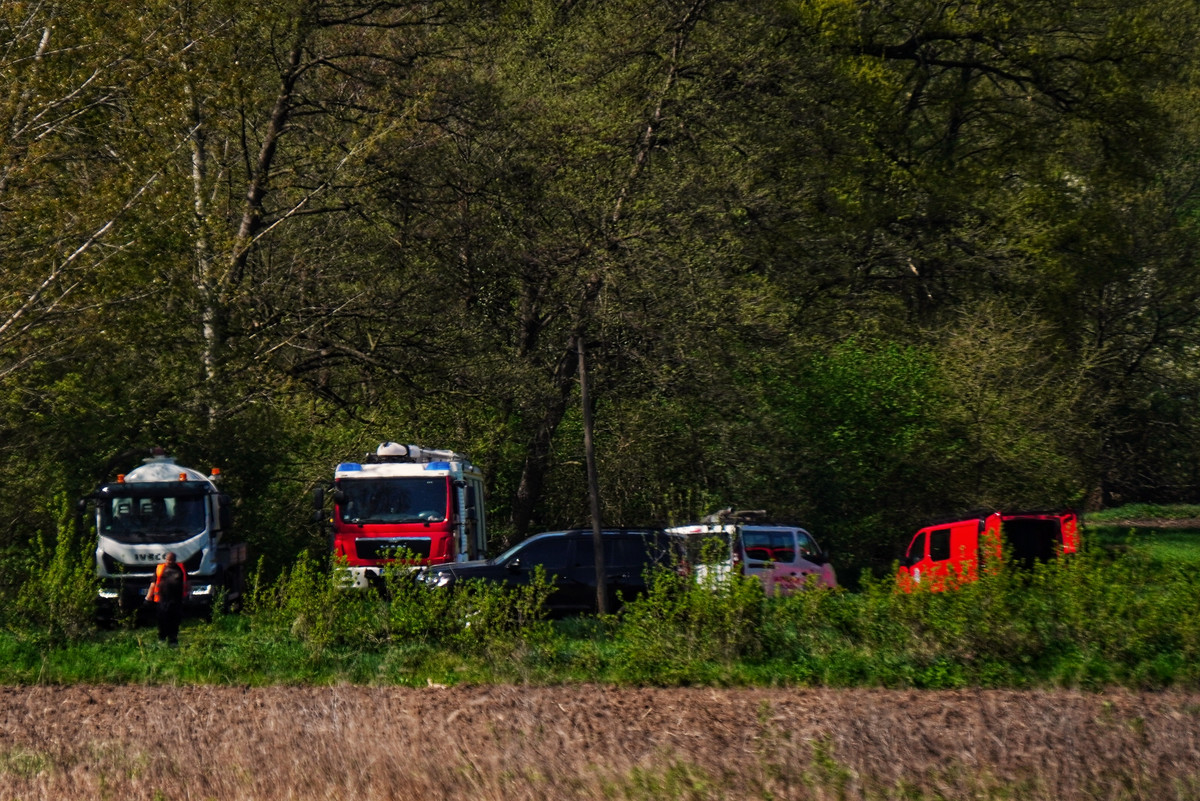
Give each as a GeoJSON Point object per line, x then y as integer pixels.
{"type": "Point", "coordinates": [498, 621]}
{"type": "Point", "coordinates": [59, 596]}
{"type": "Point", "coordinates": [473, 616]}
{"type": "Point", "coordinates": [1097, 619]}
{"type": "Point", "coordinates": [314, 604]}
{"type": "Point", "coordinates": [685, 629]}
{"type": "Point", "coordinates": [317, 606]}
{"type": "Point", "coordinates": [1087, 620]}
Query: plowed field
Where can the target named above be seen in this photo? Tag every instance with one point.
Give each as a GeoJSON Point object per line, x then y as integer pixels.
{"type": "Point", "coordinates": [593, 742]}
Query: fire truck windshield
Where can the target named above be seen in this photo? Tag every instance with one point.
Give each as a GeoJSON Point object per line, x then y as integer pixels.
{"type": "Point", "coordinates": [156, 518]}
{"type": "Point", "coordinates": [393, 500]}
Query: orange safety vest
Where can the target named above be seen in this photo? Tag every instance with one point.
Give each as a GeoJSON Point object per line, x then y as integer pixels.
{"type": "Point", "coordinates": [152, 593]}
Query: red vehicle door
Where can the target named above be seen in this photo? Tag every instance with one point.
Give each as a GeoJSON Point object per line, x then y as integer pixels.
{"type": "Point", "coordinates": [1070, 532]}
{"type": "Point", "coordinates": [964, 551]}
{"type": "Point", "coordinates": [919, 568]}
{"type": "Point", "coordinates": [942, 556]}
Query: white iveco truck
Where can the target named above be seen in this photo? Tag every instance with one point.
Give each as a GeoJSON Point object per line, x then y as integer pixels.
{"type": "Point", "coordinates": [160, 507]}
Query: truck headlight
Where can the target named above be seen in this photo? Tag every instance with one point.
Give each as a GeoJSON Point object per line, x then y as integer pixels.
{"type": "Point", "coordinates": [439, 578]}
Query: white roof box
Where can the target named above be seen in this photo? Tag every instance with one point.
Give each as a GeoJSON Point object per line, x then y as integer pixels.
{"type": "Point", "coordinates": [394, 451]}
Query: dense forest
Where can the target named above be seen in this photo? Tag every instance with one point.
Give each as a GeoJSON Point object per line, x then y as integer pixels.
{"type": "Point", "coordinates": [856, 262]}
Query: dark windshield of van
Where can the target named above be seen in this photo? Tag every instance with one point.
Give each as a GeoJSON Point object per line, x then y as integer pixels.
{"type": "Point", "coordinates": [157, 518]}
{"type": "Point", "coordinates": [394, 500]}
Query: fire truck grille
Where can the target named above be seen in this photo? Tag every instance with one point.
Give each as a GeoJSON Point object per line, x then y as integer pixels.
{"type": "Point", "coordinates": [388, 547]}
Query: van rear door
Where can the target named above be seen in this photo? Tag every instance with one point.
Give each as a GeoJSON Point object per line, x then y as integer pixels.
{"type": "Point", "coordinates": [1069, 525]}
{"type": "Point", "coordinates": [1037, 537]}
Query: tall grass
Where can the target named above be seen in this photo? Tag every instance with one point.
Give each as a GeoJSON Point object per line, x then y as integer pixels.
{"type": "Point", "coordinates": [1145, 511]}
{"type": "Point", "coordinates": [1097, 619]}
{"type": "Point", "coordinates": [593, 743]}
{"type": "Point", "coordinates": [58, 599]}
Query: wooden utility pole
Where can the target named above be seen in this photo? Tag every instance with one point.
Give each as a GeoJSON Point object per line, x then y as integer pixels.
{"type": "Point", "coordinates": [593, 482]}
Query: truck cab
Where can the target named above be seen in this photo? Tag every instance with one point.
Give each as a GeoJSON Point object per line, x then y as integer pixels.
{"type": "Point", "coordinates": [425, 507]}
{"type": "Point", "coordinates": [158, 507]}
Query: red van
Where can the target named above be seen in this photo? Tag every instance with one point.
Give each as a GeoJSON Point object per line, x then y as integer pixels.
{"type": "Point", "coordinates": [945, 555]}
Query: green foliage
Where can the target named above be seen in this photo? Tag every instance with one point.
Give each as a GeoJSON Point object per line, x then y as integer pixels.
{"type": "Point", "coordinates": [1144, 511]}
{"type": "Point", "coordinates": [316, 606]}
{"type": "Point", "coordinates": [1099, 619]}
{"type": "Point", "coordinates": [475, 617]}
{"type": "Point", "coordinates": [854, 263]}
{"type": "Point", "coordinates": [689, 627]}
{"type": "Point", "coordinates": [862, 423]}
{"type": "Point", "coordinates": [58, 599]}
{"type": "Point", "coordinates": [1088, 620]}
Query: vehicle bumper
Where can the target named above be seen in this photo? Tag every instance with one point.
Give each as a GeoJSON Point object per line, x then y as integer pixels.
{"type": "Point", "coordinates": [360, 578]}
{"type": "Point", "coordinates": [131, 593]}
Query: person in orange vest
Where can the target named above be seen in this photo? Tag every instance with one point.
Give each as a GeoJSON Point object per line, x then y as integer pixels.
{"type": "Point", "coordinates": [168, 591]}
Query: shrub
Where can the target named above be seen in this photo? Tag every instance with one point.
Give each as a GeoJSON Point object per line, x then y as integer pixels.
{"type": "Point", "coordinates": [684, 627]}
{"type": "Point", "coordinates": [316, 606]}
{"type": "Point", "coordinates": [59, 597]}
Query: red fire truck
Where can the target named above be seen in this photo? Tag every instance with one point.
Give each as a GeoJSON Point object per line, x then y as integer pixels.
{"type": "Point", "coordinates": [424, 505]}
{"type": "Point", "coordinates": [945, 555]}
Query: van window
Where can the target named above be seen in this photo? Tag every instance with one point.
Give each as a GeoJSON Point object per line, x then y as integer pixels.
{"type": "Point", "coordinates": [939, 545]}
{"type": "Point", "coordinates": [586, 552]}
{"type": "Point", "coordinates": [769, 546]}
{"type": "Point", "coordinates": [917, 549]}
{"type": "Point", "coordinates": [550, 552]}
{"type": "Point", "coordinates": [630, 552]}
{"type": "Point", "coordinates": [627, 552]}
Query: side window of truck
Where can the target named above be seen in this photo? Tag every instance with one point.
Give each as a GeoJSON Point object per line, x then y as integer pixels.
{"type": "Point", "coordinates": [770, 546]}
{"type": "Point", "coordinates": [916, 551]}
{"type": "Point", "coordinates": [939, 545]}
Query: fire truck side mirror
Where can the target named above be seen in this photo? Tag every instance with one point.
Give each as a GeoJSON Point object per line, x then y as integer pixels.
{"type": "Point", "coordinates": [318, 499]}
{"type": "Point", "coordinates": [81, 505]}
